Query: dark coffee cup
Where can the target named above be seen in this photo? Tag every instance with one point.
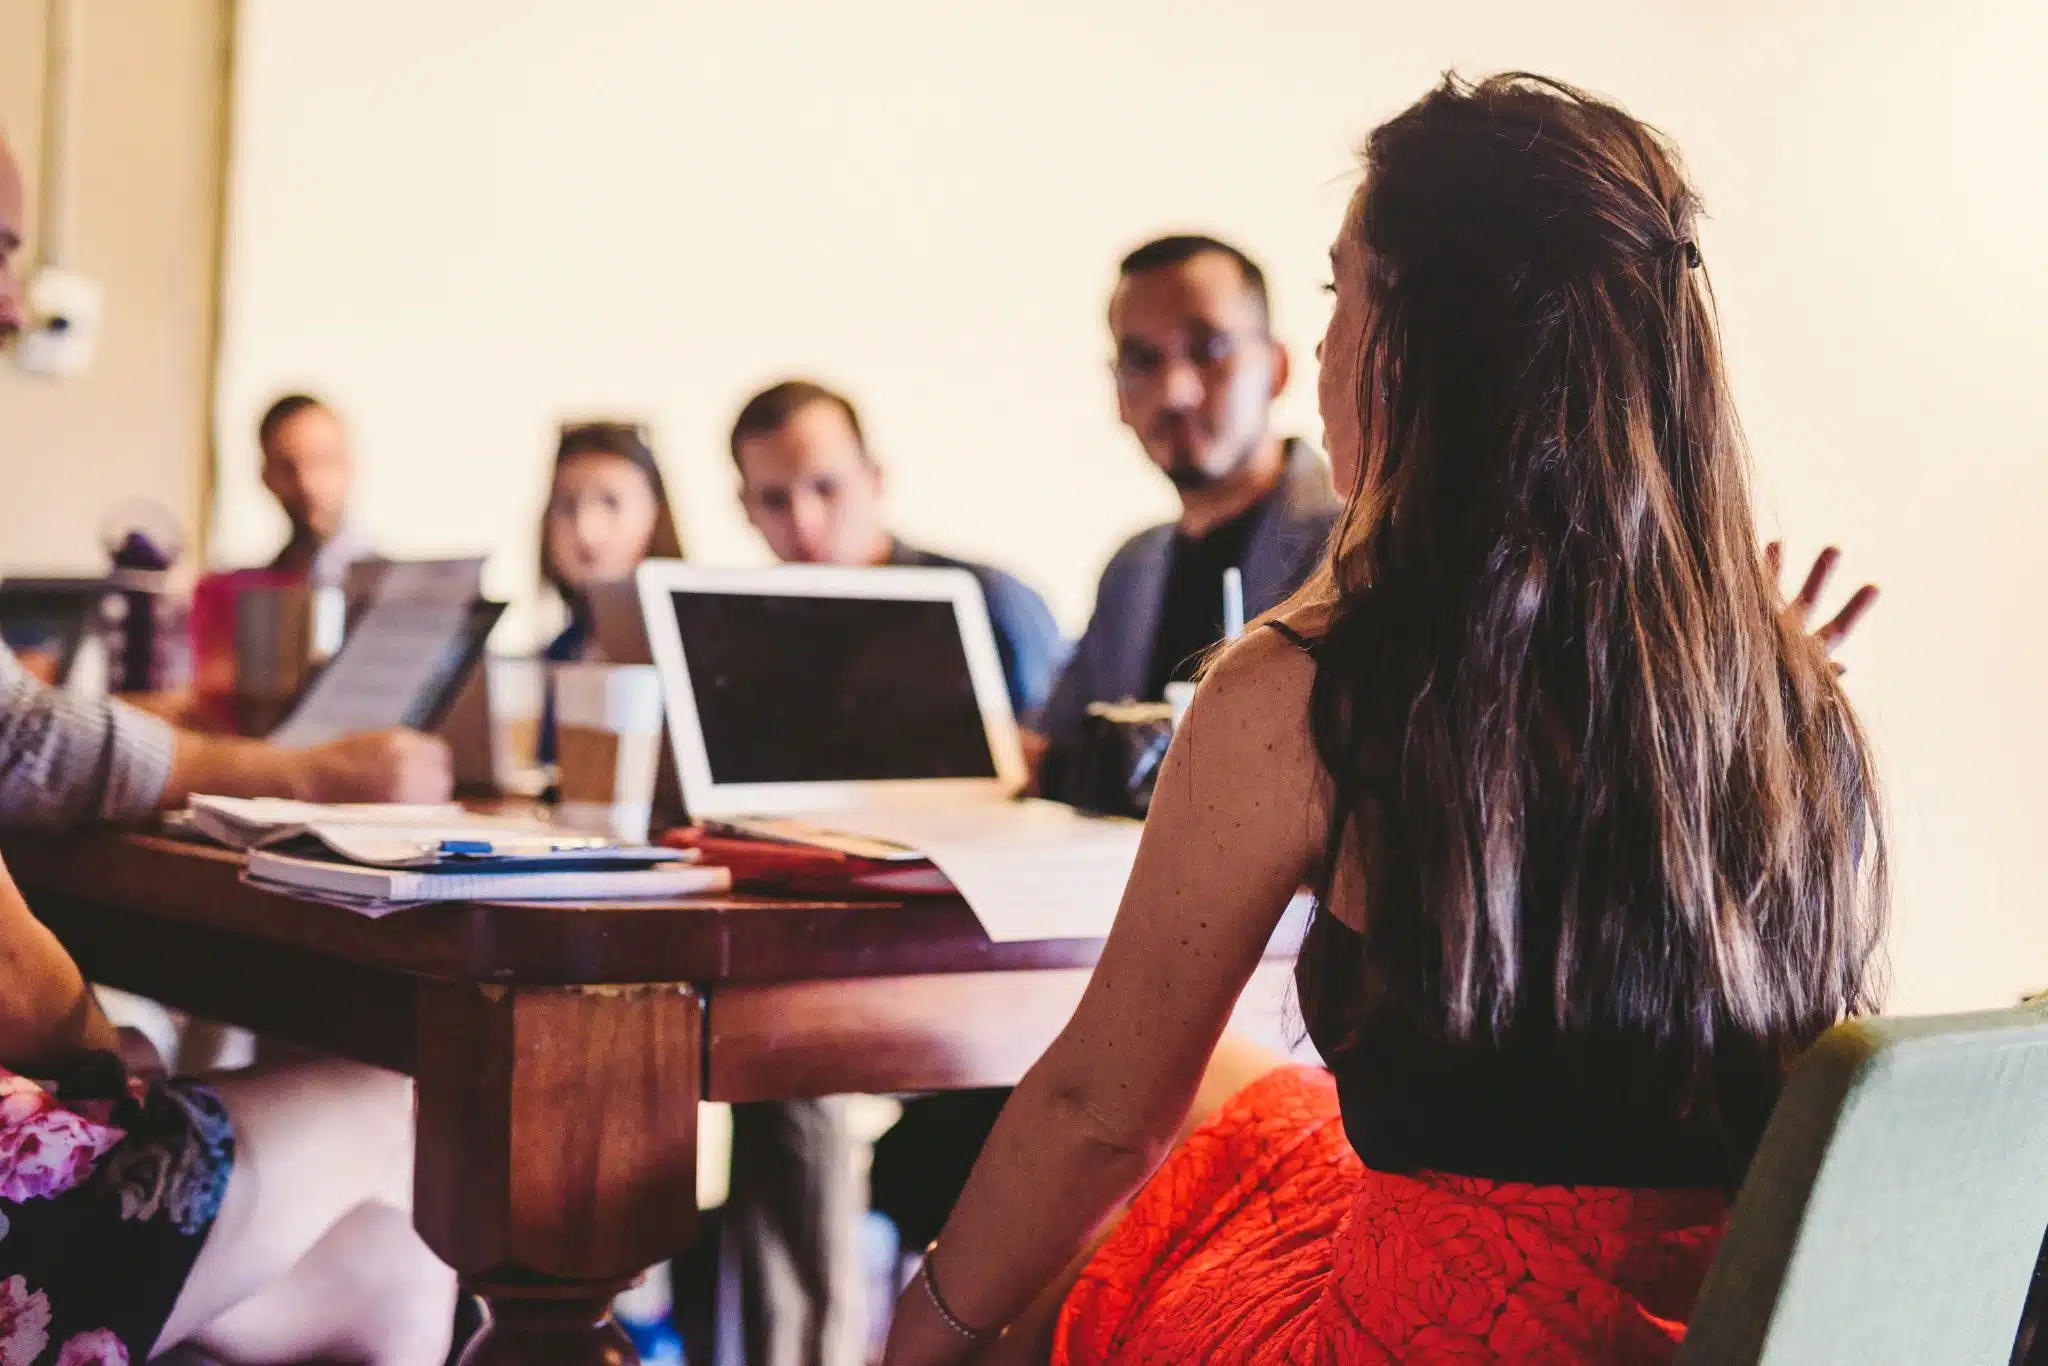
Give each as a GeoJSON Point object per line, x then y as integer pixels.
{"type": "Point", "coordinates": [1113, 769]}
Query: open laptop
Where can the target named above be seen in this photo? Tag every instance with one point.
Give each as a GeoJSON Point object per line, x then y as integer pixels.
{"type": "Point", "coordinates": [860, 709]}
{"type": "Point", "coordinates": [807, 689]}
{"type": "Point", "coordinates": [48, 623]}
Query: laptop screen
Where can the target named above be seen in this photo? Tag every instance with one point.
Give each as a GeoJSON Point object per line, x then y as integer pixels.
{"type": "Point", "coordinates": [800, 689]}
{"type": "Point", "coordinates": [45, 620]}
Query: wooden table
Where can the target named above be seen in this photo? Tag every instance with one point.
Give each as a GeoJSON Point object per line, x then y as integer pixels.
{"type": "Point", "coordinates": [560, 1052]}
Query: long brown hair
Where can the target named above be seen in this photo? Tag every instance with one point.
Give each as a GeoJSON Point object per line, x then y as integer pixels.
{"type": "Point", "coordinates": [1601, 785]}
{"type": "Point", "coordinates": [628, 442]}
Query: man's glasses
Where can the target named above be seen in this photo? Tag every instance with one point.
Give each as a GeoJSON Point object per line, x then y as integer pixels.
{"type": "Point", "coordinates": [1139, 364]}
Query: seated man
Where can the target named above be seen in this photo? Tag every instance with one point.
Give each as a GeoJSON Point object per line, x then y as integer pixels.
{"type": "Point", "coordinates": [813, 490]}
{"type": "Point", "coordinates": [1197, 369]}
{"type": "Point", "coordinates": [139, 1213]}
{"type": "Point", "coordinates": [309, 468]}
{"type": "Point", "coordinates": [68, 761]}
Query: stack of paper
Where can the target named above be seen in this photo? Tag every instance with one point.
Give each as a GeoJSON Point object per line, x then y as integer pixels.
{"type": "Point", "coordinates": [377, 859]}
{"type": "Point", "coordinates": [378, 891]}
{"type": "Point", "coordinates": [1029, 870]}
{"type": "Point", "coordinates": [403, 660]}
{"type": "Point", "coordinates": [1042, 871]}
{"type": "Point", "coordinates": [249, 823]}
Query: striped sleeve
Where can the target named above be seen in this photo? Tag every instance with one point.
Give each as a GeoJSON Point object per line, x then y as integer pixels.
{"type": "Point", "coordinates": [68, 761]}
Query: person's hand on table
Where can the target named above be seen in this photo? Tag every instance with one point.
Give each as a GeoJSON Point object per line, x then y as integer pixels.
{"type": "Point", "coordinates": [1798, 612]}
{"type": "Point", "coordinates": [376, 766]}
{"type": "Point", "coordinates": [379, 766]}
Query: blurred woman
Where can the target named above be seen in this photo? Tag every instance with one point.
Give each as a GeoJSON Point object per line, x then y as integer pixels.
{"type": "Point", "coordinates": [264, 1217]}
{"type": "Point", "coordinates": [607, 511]}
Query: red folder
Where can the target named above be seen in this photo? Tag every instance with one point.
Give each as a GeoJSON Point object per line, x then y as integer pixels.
{"type": "Point", "coordinates": [802, 870]}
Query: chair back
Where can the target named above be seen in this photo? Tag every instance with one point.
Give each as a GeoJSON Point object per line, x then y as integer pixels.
{"type": "Point", "coordinates": [1896, 1206]}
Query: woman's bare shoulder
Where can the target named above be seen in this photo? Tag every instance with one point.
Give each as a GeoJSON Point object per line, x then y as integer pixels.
{"type": "Point", "coordinates": [1264, 670]}
{"type": "Point", "coordinates": [1250, 717]}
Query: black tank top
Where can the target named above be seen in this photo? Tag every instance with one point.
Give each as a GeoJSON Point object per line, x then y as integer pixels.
{"type": "Point", "coordinates": [1534, 1105]}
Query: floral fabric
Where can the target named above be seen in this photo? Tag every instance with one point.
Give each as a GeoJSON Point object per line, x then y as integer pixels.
{"type": "Point", "coordinates": [1264, 1240]}
{"type": "Point", "coordinates": [108, 1187]}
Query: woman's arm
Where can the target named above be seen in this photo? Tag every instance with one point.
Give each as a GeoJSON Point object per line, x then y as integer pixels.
{"type": "Point", "coordinates": [1235, 826]}
{"type": "Point", "coordinates": [47, 1013]}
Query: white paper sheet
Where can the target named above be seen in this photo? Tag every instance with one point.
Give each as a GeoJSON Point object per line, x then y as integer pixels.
{"type": "Point", "coordinates": [1029, 870]}
{"type": "Point", "coordinates": [391, 657]}
{"type": "Point", "coordinates": [244, 822]}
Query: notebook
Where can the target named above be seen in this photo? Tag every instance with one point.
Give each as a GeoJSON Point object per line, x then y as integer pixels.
{"type": "Point", "coordinates": [325, 877]}
{"type": "Point", "coordinates": [405, 836]}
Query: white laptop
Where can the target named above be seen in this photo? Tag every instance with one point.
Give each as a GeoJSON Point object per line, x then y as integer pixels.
{"type": "Point", "coordinates": [849, 706]}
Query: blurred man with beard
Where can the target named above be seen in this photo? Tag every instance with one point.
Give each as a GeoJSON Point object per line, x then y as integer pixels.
{"type": "Point", "coordinates": [1197, 369]}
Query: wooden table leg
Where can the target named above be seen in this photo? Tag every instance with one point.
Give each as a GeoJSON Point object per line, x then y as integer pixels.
{"type": "Point", "coordinates": [536, 1322]}
{"type": "Point", "coordinates": [557, 1153]}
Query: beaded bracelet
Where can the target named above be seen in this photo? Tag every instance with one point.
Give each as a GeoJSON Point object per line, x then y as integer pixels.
{"type": "Point", "coordinates": [952, 1320]}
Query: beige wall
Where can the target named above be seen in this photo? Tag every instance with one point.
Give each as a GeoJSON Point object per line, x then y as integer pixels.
{"type": "Point", "coordinates": [466, 218]}
{"type": "Point", "coordinates": [151, 77]}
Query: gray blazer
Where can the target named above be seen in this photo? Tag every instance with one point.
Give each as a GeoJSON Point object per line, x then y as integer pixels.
{"type": "Point", "coordinates": [1114, 659]}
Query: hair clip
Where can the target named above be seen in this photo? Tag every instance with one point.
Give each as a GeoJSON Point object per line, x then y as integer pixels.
{"type": "Point", "coordinates": [1691, 251]}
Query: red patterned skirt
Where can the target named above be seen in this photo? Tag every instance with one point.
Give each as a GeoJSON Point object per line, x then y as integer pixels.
{"type": "Point", "coordinates": [1263, 1239]}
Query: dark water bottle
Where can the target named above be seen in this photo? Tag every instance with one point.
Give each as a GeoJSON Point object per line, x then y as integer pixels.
{"type": "Point", "coordinates": [146, 629]}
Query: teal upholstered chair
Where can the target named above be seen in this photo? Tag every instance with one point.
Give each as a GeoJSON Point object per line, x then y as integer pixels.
{"type": "Point", "coordinates": [1896, 1207]}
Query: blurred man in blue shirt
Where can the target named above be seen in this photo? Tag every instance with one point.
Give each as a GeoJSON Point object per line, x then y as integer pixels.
{"type": "Point", "coordinates": [813, 490]}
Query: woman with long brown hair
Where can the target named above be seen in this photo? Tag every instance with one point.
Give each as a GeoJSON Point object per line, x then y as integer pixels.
{"type": "Point", "coordinates": [607, 511]}
{"type": "Point", "coordinates": [1592, 827]}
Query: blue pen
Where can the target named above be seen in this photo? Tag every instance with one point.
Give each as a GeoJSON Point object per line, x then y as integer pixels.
{"type": "Point", "coordinates": [524, 846]}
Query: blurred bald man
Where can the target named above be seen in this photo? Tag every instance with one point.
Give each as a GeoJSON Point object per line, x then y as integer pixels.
{"type": "Point", "coordinates": [310, 469]}
{"type": "Point", "coordinates": [66, 760]}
